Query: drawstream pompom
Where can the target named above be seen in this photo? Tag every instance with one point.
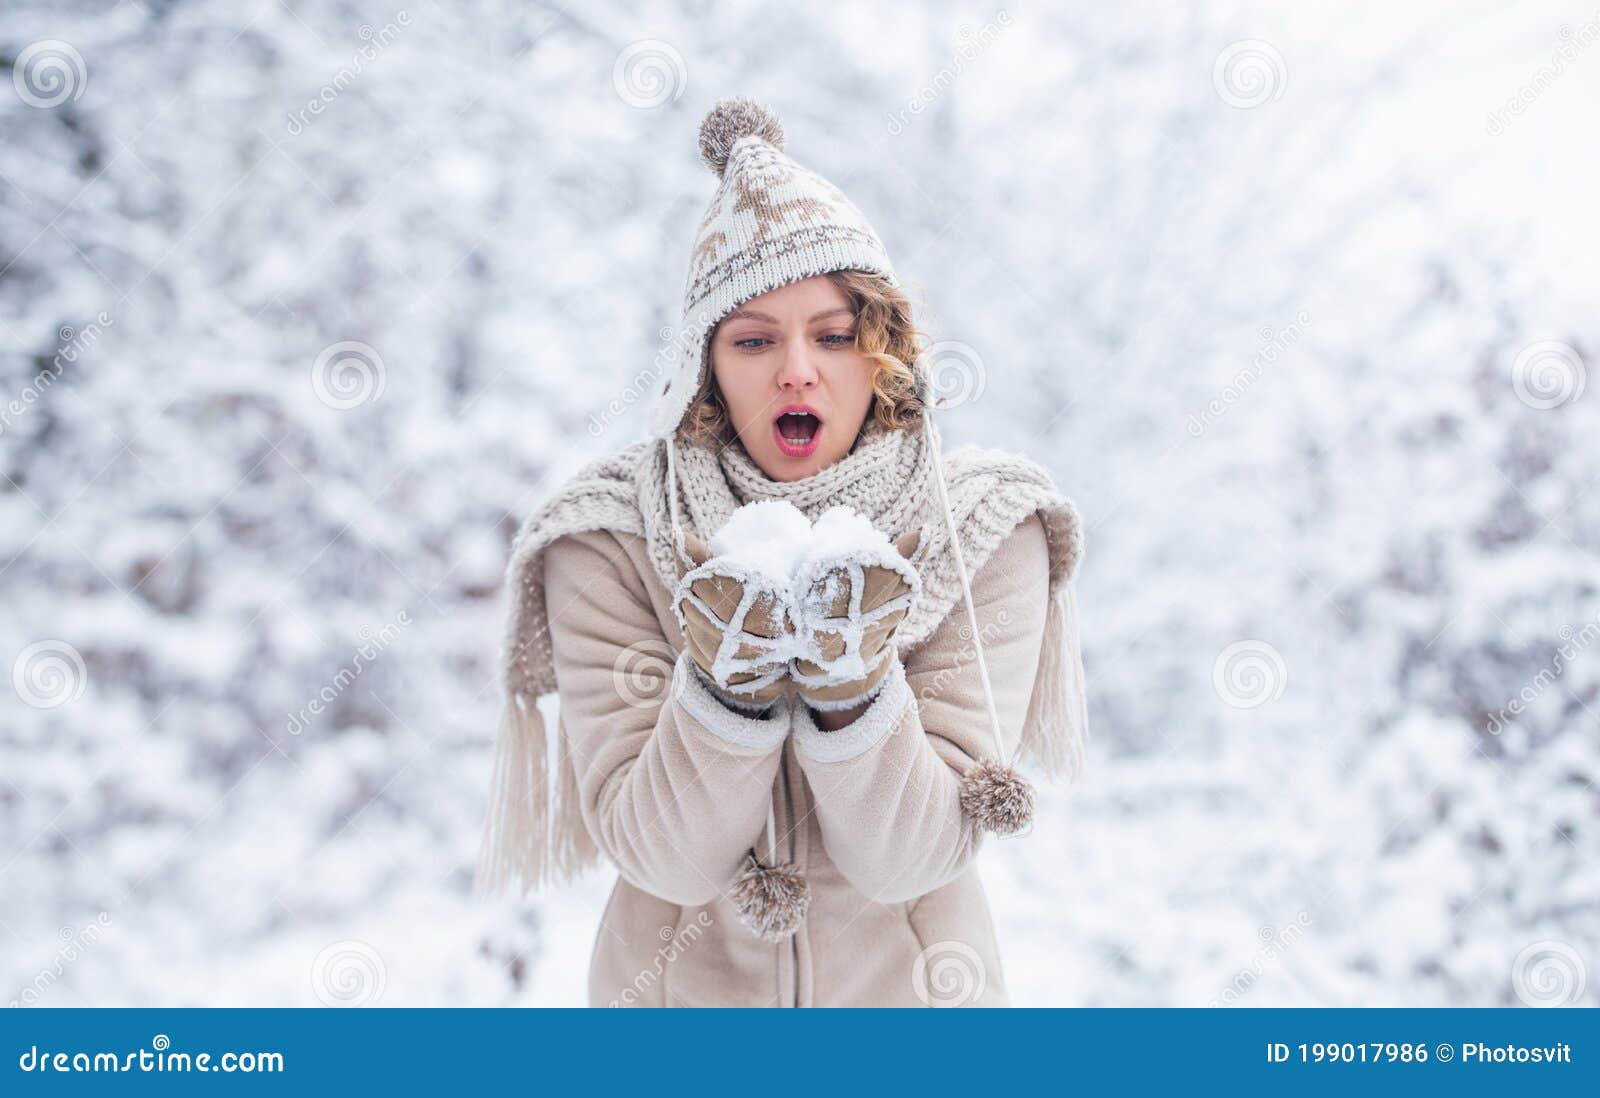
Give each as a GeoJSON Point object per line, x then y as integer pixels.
{"type": "Point", "coordinates": [730, 120]}
{"type": "Point", "coordinates": [997, 798]}
{"type": "Point", "coordinates": [771, 899]}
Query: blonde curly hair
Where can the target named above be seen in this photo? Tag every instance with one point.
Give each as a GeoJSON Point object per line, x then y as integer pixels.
{"type": "Point", "coordinates": [885, 333]}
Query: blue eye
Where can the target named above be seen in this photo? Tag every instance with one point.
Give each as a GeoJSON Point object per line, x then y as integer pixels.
{"type": "Point", "coordinates": [744, 342]}
{"type": "Point", "coordinates": [837, 340]}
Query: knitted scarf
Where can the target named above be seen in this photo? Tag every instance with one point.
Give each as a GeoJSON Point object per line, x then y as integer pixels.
{"type": "Point", "coordinates": [535, 833]}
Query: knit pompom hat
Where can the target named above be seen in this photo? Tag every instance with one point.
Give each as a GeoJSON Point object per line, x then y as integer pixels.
{"type": "Point", "coordinates": [770, 223]}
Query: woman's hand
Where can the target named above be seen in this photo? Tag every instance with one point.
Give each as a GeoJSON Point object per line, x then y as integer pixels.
{"type": "Point", "coordinates": [847, 612]}
{"type": "Point", "coordinates": [744, 657]}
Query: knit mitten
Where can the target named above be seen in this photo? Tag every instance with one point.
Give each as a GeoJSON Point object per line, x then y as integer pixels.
{"type": "Point", "coordinates": [848, 608]}
{"type": "Point", "coordinates": [738, 628]}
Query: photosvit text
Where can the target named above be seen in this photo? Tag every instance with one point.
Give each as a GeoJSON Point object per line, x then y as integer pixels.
{"type": "Point", "coordinates": [1390, 1052]}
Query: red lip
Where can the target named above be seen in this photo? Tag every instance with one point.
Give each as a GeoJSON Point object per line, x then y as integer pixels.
{"type": "Point", "coordinates": [788, 449]}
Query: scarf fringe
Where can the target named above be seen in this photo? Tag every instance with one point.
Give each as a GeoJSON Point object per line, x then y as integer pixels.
{"type": "Point", "coordinates": [1058, 716]}
{"type": "Point", "coordinates": [531, 838]}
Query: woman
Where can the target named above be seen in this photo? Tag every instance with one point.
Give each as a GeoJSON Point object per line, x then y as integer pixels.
{"type": "Point", "coordinates": [796, 826]}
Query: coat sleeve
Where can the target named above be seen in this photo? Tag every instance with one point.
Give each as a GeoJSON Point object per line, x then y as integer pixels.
{"type": "Point", "coordinates": [887, 785]}
{"type": "Point", "coordinates": [673, 785]}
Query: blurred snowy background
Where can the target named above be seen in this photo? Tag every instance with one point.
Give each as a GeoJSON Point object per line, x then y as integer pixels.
{"type": "Point", "coordinates": [304, 303]}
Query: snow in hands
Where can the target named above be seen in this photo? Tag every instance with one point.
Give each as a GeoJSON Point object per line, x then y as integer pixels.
{"type": "Point", "coordinates": [775, 551]}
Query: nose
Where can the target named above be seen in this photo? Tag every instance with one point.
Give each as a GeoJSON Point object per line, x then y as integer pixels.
{"type": "Point", "coordinates": [797, 371]}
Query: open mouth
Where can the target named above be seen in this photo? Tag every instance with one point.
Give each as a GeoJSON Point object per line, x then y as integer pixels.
{"type": "Point", "coordinates": [797, 431]}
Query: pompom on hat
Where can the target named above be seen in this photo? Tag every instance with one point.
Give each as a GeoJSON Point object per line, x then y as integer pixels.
{"type": "Point", "coordinates": [771, 222]}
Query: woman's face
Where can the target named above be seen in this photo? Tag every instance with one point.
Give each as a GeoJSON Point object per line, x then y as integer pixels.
{"type": "Point", "coordinates": [795, 387]}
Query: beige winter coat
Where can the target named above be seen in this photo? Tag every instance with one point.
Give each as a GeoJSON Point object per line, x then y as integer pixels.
{"type": "Point", "coordinates": [675, 788]}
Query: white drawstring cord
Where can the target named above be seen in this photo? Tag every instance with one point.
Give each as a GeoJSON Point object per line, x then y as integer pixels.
{"type": "Point", "coordinates": [772, 834]}
{"type": "Point", "coordinates": [966, 586]}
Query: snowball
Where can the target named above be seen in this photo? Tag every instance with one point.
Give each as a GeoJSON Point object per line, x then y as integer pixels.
{"type": "Point", "coordinates": [774, 539]}
{"type": "Point", "coordinates": [841, 530]}
{"type": "Point", "coordinates": [769, 537]}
